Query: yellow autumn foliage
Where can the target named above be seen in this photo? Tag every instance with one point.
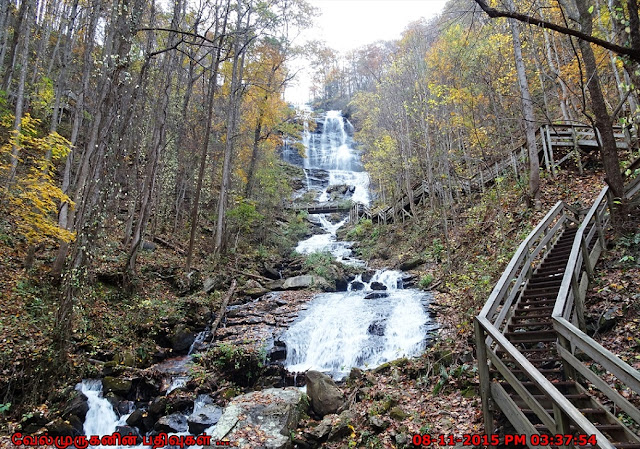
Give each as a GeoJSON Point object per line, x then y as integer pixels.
{"type": "Point", "coordinates": [31, 200]}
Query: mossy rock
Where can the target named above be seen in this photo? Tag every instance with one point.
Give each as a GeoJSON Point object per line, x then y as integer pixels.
{"type": "Point", "coordinates": [116, 385]}
{"type": "Point", "coordinates": [398, 414]}
{"type": "Point", "coordinates": [230, 393]}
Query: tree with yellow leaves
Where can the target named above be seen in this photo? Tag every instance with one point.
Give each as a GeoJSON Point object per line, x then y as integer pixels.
{"type": "Point", "coordinates": [31, 197]}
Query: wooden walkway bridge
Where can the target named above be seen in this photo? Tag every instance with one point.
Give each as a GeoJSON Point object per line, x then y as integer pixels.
{"type": "Point", "coordinates": [535, 362]}
{"type": "Point", "coordinates": [321, 208]}
{"type": "Point", "coordinates": [556, 144]}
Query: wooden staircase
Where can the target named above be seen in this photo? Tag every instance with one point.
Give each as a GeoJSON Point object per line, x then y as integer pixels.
{"type": "Point", "coordinates": [530, 329]}
{"type": "Point", "coordinates": [556, 144]}
{"type": "Point", "coordinates": [536, 365]}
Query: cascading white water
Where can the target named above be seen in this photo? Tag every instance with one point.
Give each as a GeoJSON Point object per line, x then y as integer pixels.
{"type": "Point", "coordinates": [332, 151]}
{"type": "Point", "coordinates": [361, 327]}
{"type": "Point", "coordinates": [101, 419]}
{"type": "Point", "coordinates": [343, 330]}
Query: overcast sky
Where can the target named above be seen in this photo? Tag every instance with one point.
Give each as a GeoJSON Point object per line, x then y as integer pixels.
{"type": "Point", "coordinates": [348, 24]}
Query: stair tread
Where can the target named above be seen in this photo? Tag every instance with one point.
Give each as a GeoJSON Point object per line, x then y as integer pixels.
{"type": "Point", "coordinates": [530, 317]}
{"type": "Point", "coordinates": [532, 307]}
{"type": "Point", "coordinates": [530, 332]}
{"type": "Point", "coordinates": [539, 323]}
{"type": "Point", "coordinates": [531, 301]}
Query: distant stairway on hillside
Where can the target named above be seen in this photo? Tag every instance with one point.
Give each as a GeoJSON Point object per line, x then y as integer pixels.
{"type": "Point", "coordinates": [557, 143]}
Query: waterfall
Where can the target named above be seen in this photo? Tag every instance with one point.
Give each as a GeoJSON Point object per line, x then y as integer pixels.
{"type": "Point", "coordinates": [101, 419]}
{"type": "Point", "coordinates": [359, 328]}
{"type": "Point", "coordinates": [372, 322]}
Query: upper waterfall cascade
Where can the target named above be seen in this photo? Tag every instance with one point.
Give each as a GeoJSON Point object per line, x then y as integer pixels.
{"type": "Point", "coordinates": [362, 327]}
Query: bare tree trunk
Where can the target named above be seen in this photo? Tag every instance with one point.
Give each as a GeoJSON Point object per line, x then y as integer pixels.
{"type": "Point", "coordinates": [22, 25]}
{"type": "Point", "coordinates": [609, 151]}
{"type": "Point", "coordinates": [235, 97]}
{"type": "Point", "coordinates": [23, 54]}
{"type": "Point", "coordinates": [157, 144]}
{"type": "Point", "coordinates": [66, 217]}
{"type": "Point", "coordinates": [205, 145]}
{"type": "Point", "coordinates": [527, 112]}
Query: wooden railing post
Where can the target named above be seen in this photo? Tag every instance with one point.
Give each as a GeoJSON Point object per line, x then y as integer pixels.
{"type": "Point", "coordinates": [551, 158]}
{"type": "Point", "coordinates": [600, 228]}
{"type": "Point", "coordinates": [562, 422]}
{"type": "Point", "coordinates": [485, 379]}
{"type": "Point", "coordinates": [578, 302]}
{"type": "Point", "coordinates": [545, 146]}
{"type": "Point", "coordinates": [586, 259]}
{"type": "Point", "coordinates": [569, 371]}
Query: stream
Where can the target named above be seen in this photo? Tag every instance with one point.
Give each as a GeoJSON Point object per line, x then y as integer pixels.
{"type": "Point", "coordinates": [375, 321]}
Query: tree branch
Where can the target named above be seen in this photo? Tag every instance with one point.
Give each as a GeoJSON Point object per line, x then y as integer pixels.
{"type": "Point", "coordinates": [633, 54]}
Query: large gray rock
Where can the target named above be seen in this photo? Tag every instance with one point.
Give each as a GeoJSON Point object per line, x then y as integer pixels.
{"type": "Point", "coordinates": [203, 418]}
{"type": "Point", "coordinates": [254, 289]}
{"type": "Point", "coordinates": [272, 413]}
{"type": "Point", "coordinates": [77, 406]}
{"type": "Point", "coordinates": [176, 422]}
{"type": "Point", "coordinates": [181, 338]}
{"type": "Point", "coordinates": [305, 281]}
{"type": "Point", "coordinates": [325, 396]}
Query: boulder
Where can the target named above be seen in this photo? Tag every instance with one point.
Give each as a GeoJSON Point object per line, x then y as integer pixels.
{"type": "Point", "coordinates": [209, 284]}
{"type": "Point", "coordinates": [377, 423]}
{"type": "Point", "coordinates": [125, 407]}
{"type": "Point", "coordinates": [305, 281]}
{"type": "Point", "coordinates": [376, 295]}
{"type": "Point", "coordinates": [181, 338]}
{"type": "Point", "coordinates": [321, 432]}
{"type": "Point", "coordinates": [33, 422]}
{"type": "Point", "coordinates": [135, 419]}
{"type": "Point", "coordinates": [398, 414]}
{"type": "Point", "coordinates": [76, 423]}
{"type": "Point", "coordinates": [342, 427]}
{"type": "Point", "coordinates": [272, 413]}
{"type": "Point", "coordinates": [355, 374]}
{"type": "Point", "coordinates": [204, 417]}
{"type": "Point", "coordinates": [149, 246]}
{"type": "Point", "coordinates": [176, 422]}
{"type": "Point", "coordinates": [275, 285]}
{"type": "Point", "coordinates": [278, 351]}
{"type": "Point", "coordinates": [270, 271]}
{"type": "Point", "coordinates": [324, 394]}
{"type": "Point", "coordinates": [378, 286]}
{"type": "Point", "coordinates": [408, 281]}
{"type": "Point", "coordinates": [128, 430]}
{"type": "Point", "coordinates": [60, 427]}
{"type": "Point", "coordinates": [377, 328]}
{"type": "Point", "coordinates": [367, 276]}
{"type": "Point", "coordinates": [254, 289]}
{"type": "Point", "coordinates": [609, 319]}
{"type": "Point", "coordinates": [116, 385]}
{"type": "Point", "coordinates": [77, 406]}
{"type": "Point", "coordinates": [357, 285]}
{"type": "Point", "coordinates": [157, 407]}
{"type": "Point", "coordinates": [342, 283]}
{"type": "Point", "coordinates": [411, 264]}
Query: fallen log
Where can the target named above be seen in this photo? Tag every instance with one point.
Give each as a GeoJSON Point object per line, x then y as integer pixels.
{"type": "Point", "coordinates": [168, 244]}
{"type": "Point", "coordinates": [223, 309]}
{"type": "Point", "coordinates": [255, 276]}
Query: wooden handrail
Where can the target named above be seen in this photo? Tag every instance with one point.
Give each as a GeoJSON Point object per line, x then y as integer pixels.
{"type": "Point", "coordinates": [561, 301]}
{"type": "Point", "coordinates": [583, 425]}
{"type": "Point", "coordinates": [569, 302]}
{"type": "Point", "coordinates": [523, 250]}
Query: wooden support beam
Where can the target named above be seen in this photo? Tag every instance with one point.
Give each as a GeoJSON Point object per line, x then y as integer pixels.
{"type": "Point", "coordinates": [485, 379]}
